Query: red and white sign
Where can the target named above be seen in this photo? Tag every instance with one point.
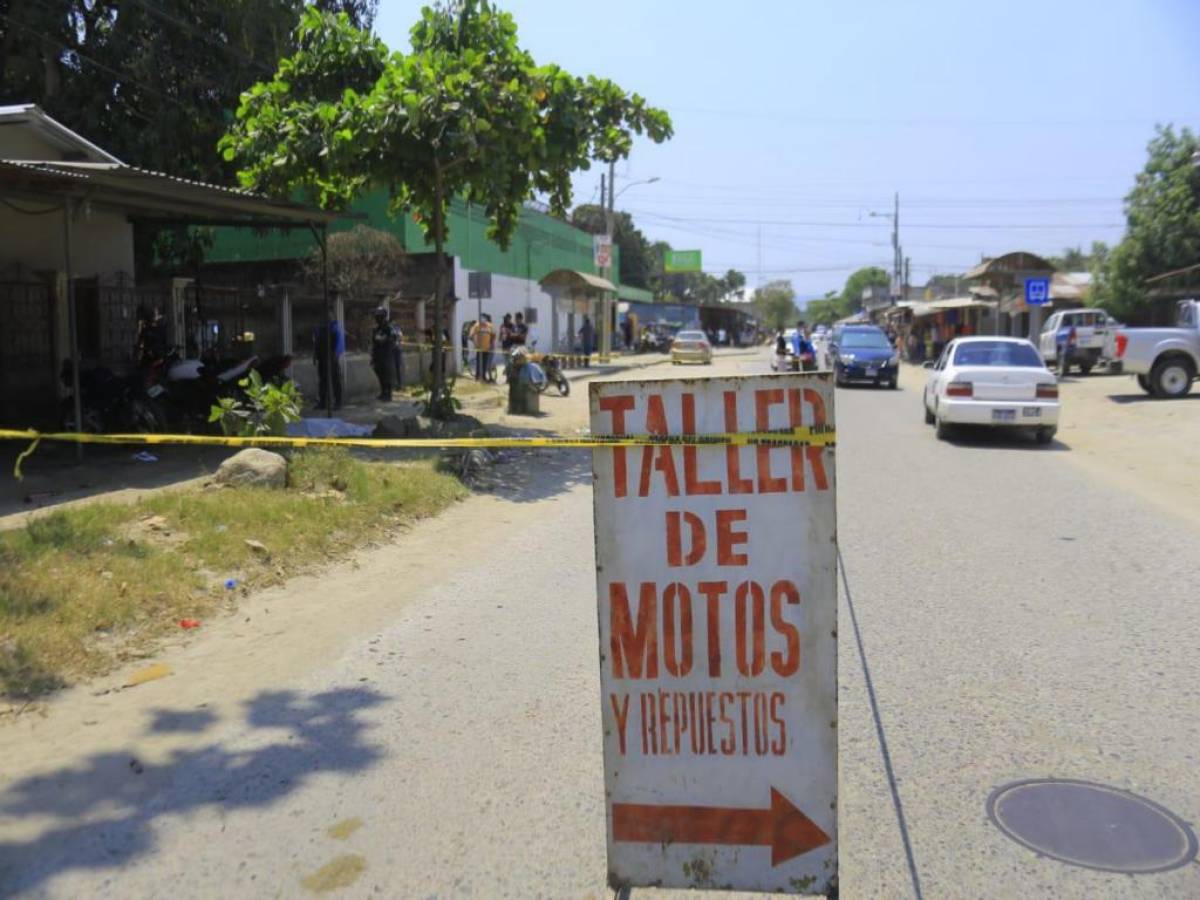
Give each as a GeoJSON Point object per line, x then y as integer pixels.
{"type": "Point", "coordinates": [718, 636]}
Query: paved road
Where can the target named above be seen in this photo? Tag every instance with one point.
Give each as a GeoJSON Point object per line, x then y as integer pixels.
{"type": "Point", "coordinates": [439, 733]}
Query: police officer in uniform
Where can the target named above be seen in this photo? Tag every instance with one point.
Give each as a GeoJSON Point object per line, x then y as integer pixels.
{"type": "Point", "coordinates": [383, 345]}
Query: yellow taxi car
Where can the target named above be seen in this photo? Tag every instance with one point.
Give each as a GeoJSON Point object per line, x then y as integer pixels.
{"type": "Point", "coordinates": [691, 346]}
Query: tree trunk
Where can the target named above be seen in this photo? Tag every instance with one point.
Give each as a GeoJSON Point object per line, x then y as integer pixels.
{"type": "Point", "coordinates": [437, 394]}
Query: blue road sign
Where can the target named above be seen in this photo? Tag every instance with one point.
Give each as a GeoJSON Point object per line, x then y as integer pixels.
{"type": "Point", "coordinates": [1037, 291]}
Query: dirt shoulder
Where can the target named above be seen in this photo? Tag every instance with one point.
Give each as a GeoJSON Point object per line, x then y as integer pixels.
{"type": "Point", "coordinates": [1149, 447]}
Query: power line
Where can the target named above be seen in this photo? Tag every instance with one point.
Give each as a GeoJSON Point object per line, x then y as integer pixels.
{"type": "Point", "coordinates": [122, 76]}
{"type": "Point", "coordinates": [994, 226]}
{"type": "Point", "coordinates": [796, 116]}
{"type": "Point", "coordinates": [202, 35]}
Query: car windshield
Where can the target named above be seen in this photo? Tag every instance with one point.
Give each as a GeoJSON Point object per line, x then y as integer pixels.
{"type": "Point", "coordinates": [864, 340]}
{"type": "Point", "coordinates": [997, 353]}
{"type": "Point", "coordinates": [690, 336]}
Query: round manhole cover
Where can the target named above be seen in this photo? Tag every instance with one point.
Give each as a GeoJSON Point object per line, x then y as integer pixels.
{"type": "Point", "coordinates": [1092, 825]}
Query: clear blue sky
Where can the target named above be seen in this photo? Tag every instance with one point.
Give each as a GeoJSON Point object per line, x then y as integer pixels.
{"type": "Point", "coordinates": [1003, 125]}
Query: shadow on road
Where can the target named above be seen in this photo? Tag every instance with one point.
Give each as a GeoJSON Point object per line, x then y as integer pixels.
{"type": "Point", "coordinates": [53, 475]}
{"type": "Point", "coordinates": [1145, 398]}
{"type": "Point", "coordinates": [527, 475]}
{"type": "Point", "coordinates": [108, 807]}
{"type": "Point", "coordinates": [983, 437]}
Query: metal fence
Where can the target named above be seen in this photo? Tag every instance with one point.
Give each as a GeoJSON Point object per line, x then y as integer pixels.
{"type": "Point", "coordinates": [230, 321]}
{"type": "Point", "coordinates": [27, 365]}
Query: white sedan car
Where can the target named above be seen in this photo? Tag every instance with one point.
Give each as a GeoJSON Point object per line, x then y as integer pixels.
{"type": "Point", "coordinates": [992, 381]}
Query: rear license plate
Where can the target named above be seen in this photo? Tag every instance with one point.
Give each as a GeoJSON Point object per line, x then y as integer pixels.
{"type": "Point", "coordinates": [1004, 415]}
{"type": "Point", "coordinates": [1031, 412]}
{"type": "Point", "coordinates": [872, 372]}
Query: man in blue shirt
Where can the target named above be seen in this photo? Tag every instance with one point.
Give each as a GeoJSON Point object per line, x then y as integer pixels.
{"type": "Point", "coordinates": [1067, 339]}
{"type": "Point", "coordinates": [801, 345]}
{"type": "Point", "coordinates": [329, 341]}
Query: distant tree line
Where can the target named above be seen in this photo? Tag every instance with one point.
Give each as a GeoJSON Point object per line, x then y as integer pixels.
{"type": "Point", "coordinates": [641, 262]}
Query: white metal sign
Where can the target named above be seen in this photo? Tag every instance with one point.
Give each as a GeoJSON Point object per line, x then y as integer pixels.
{"type": "Point", "coordinates": [602, 250]}
{"type": "Point", "coordinates": [718, 636]}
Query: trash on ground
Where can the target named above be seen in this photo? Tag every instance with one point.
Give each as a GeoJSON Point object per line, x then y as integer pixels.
{"type": "Point", "coordinates": [145, 456]}
{"type": "Point", "coordinates": [230, 584]}
{"type": "Point", "coordinates": [257, 546]}
{"type": "Point", "coordinates": [150, 673]}
{"type": "Point", "coordinates": [189, 623]}
{"type": "Point", "coordinates": [320, 428]}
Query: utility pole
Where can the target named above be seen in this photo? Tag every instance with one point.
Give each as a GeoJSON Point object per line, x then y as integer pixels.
{"type": "Point", "coordinates": [907, 264]}
{"type": "Point", "coordinates": [606, 302]}
{"type": "Point", "coordinates": [896, 272]}
{"type": "Point", "coordinates": [760, 269]}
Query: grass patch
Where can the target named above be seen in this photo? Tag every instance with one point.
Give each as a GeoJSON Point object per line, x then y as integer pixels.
{"type": "Point", "coordinates": [84, 588]}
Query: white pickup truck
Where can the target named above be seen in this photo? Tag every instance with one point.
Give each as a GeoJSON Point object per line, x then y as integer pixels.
{"type": "Point", "coordinates": [1165, 360]}
{"type": "Point", "coordinates": [1093, 332]}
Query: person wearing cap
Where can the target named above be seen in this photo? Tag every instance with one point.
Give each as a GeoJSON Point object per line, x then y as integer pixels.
{"type": "Point", "coordinates": [383, 342]}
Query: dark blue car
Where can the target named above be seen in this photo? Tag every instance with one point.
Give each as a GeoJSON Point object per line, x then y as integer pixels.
{"type": "Point", "coordinates": [863, 354]}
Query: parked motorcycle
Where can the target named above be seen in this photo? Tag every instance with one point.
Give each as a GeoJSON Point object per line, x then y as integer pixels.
{"type": "Point", "coordinates": [110, 403]}
{"type": "Point", "coordinates": [552, 367]}
{"type": "Point", "coordinates": [191, 387]}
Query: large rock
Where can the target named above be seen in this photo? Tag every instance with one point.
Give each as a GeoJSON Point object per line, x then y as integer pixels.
{"type": "Point", "coordinates": [397, 427]}
{"type": "Point", "coordinates": [253, 467]}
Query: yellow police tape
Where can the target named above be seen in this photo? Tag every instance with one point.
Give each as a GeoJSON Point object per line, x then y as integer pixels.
{"type": "Point", "coordinates": [804, 436]}
{"type": "Point", "coordinates": [820, 435]}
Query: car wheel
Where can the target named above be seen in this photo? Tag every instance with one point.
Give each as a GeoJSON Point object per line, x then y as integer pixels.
{"type": "Point", "coordinates": [943, 429]}
{"type": "Point", "coordinates": [929, 419]}
{"type": "Point", "coordinates": [1172, 377]}
{"type": "Point", "coordinates": [1085, 368]}
{"type": "Point", "coordinates": [1046, 435]}
{"type": "Point", "coordinates": [1144, 383]}
{"type": "Point", "coordinates": [893, 384]}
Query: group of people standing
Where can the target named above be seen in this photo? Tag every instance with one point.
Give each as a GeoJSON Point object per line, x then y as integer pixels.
{"type": "Point", "coordinates": [925, 343]}
{"type": "Point", "coordinates": [514, 332]}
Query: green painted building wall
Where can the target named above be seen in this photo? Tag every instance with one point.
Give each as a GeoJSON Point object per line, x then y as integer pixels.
{"type": "Point", "coordinates": [540, 245]}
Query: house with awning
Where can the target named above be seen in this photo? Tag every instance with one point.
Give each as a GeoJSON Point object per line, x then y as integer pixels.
{"type": "Point", "coordinates": [68, 289]}
{"type": "Point", "coordinates": [1004, 276]}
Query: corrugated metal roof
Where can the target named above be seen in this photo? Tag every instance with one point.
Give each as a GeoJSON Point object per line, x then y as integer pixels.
{"type": "Point", "coordinates": [146, 194]}
{"type": "Point", "coordinates": [52, 130]}
{"type": "Point", "coordinates": [1017, 260]}
{"type": "Point", "coordinates": [1173, 273]}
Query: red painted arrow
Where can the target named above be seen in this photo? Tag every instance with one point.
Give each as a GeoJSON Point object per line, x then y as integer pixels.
{"type": "Point", "coordinates": [783, 828]}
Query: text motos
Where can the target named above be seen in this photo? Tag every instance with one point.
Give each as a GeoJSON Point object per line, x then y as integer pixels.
{"type": "Point", "coordinates": [718, 628]}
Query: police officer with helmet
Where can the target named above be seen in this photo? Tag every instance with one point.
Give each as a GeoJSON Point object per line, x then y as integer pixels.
{"type": "Point", "coordinates": [383, 346]}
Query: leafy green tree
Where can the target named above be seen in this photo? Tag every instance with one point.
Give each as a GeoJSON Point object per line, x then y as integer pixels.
{"type": "Point", "coordinates": [467, 112]}
{"type": "Point", "coordinates": [775, 304]}
{"type": "Point", "coordinates": [733, 284]}
{"type": "Point", "coordinates": [1076, 259]}
{"type": "Point", "coordinates": [154, 82]}
{"type": "Point", "coordinates": [1163, 225]}
{"type": "Point", "coordinates": [851, 300]}
{"type": "Point", "coordinates": [363, 263]}
{"type": "Point", "coordinates": [823, 310]}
